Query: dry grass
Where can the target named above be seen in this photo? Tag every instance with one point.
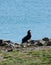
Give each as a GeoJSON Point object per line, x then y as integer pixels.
{"type": "Point", "coordinates": [42, 56]}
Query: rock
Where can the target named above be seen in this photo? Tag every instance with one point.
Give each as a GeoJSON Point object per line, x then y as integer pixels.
{"type": "Point", "coordinates": [38, 43]}
{"type": "Point", "coordinates": [24, 44]}
{"type": "Point", "coordinates": [1, 42]}
{"type": "Point", "coordinates": [8, 41]}
{"type": "Point", "coordinates": [43, 42]}
{"type": "Point", "coordinates": [6, 44]}
{"type": "Point", "coordinates": [17, 45]}
{"type": "Point", "coordinates": [9, 50]}
{"type": "Point", "coordinates": [49, 44]}
{"type": "Point", "coordinates": [45, 39]}
{"type": "Point", "coordinates": [32, 42]}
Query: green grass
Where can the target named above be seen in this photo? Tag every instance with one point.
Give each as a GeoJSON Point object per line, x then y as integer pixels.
{"type": "Point", "coordinates": [38, 57]}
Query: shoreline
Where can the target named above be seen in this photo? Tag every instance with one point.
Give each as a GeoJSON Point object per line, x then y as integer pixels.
{"type": "Point", "coordinates": [8, 45]}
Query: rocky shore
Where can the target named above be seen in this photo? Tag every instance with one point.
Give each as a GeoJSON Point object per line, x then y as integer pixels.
{"type": "Point", "coordinates": [8, 45]}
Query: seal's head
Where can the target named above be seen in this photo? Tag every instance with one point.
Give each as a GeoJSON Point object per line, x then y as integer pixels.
{"type": "Point", "coordinates": [29, 32]}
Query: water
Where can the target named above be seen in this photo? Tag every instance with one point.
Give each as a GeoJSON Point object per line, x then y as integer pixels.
{"type": "Point", "coordinates": [18, 16]}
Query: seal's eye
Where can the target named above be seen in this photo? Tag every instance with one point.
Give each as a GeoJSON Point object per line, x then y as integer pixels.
{"type": "Point", "coordinates": [30, 31]}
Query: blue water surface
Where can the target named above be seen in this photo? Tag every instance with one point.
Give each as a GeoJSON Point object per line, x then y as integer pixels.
{"type": "Point", "coordinates": [18, 16]}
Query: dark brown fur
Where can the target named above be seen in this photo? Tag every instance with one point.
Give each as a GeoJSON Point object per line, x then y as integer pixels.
{"type": "Point", "coordinates": [27, 37]}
